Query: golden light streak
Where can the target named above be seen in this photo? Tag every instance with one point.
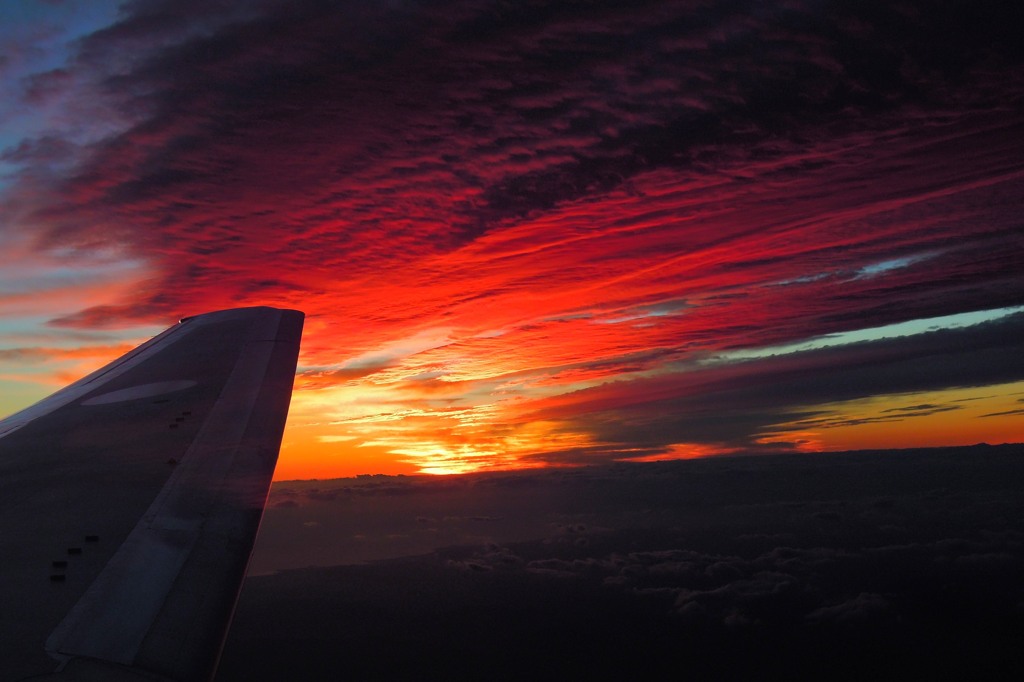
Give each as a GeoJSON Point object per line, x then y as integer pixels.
{"type": "Point", "coordinates": [958, 416]}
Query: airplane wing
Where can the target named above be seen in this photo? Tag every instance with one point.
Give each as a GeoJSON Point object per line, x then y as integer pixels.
{"type": "Point", "coordinates": [130, 500]}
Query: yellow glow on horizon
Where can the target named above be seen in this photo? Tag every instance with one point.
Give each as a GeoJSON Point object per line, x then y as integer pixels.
{"type": "Point", "coordinates": [353, 429]}
{"type": "Point", "coordinates": [959, 416]}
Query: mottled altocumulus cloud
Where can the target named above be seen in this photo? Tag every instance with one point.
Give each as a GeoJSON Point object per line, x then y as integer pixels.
{"type": "Point", "coordinates": [483, 198]}
{"type": "Point", "coordinates": [333, 136]}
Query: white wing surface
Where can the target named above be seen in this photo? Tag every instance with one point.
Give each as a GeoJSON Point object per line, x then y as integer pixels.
{"type": "Point", "coordinates": [130, 501]}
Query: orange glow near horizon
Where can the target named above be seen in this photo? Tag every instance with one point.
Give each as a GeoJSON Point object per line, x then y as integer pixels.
{"type": "Point", "coordinates": [330, 435]}
{"type": "Point", "coordinates": [987, 414]}
{"type": "Point", "coordinates": [408, 444]}
{"type": "Point", "coordinates": [358, 429]}
{"type": "Point", "coordinates": [684, 451]}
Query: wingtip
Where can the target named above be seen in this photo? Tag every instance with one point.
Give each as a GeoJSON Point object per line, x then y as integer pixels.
{"type": "Point", "coordinates": [231, 312]}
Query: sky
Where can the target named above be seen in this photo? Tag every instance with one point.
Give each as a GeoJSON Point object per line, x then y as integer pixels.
{"type": "Point", "coordinates": [532, 234]}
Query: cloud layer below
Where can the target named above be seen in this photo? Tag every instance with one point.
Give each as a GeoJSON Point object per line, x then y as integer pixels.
{"type": "Point", "coordinates": [720, 568]}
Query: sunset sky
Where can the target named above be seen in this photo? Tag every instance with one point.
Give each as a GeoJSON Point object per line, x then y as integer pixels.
{"type": "Point", "coordinates": [533, 233]}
